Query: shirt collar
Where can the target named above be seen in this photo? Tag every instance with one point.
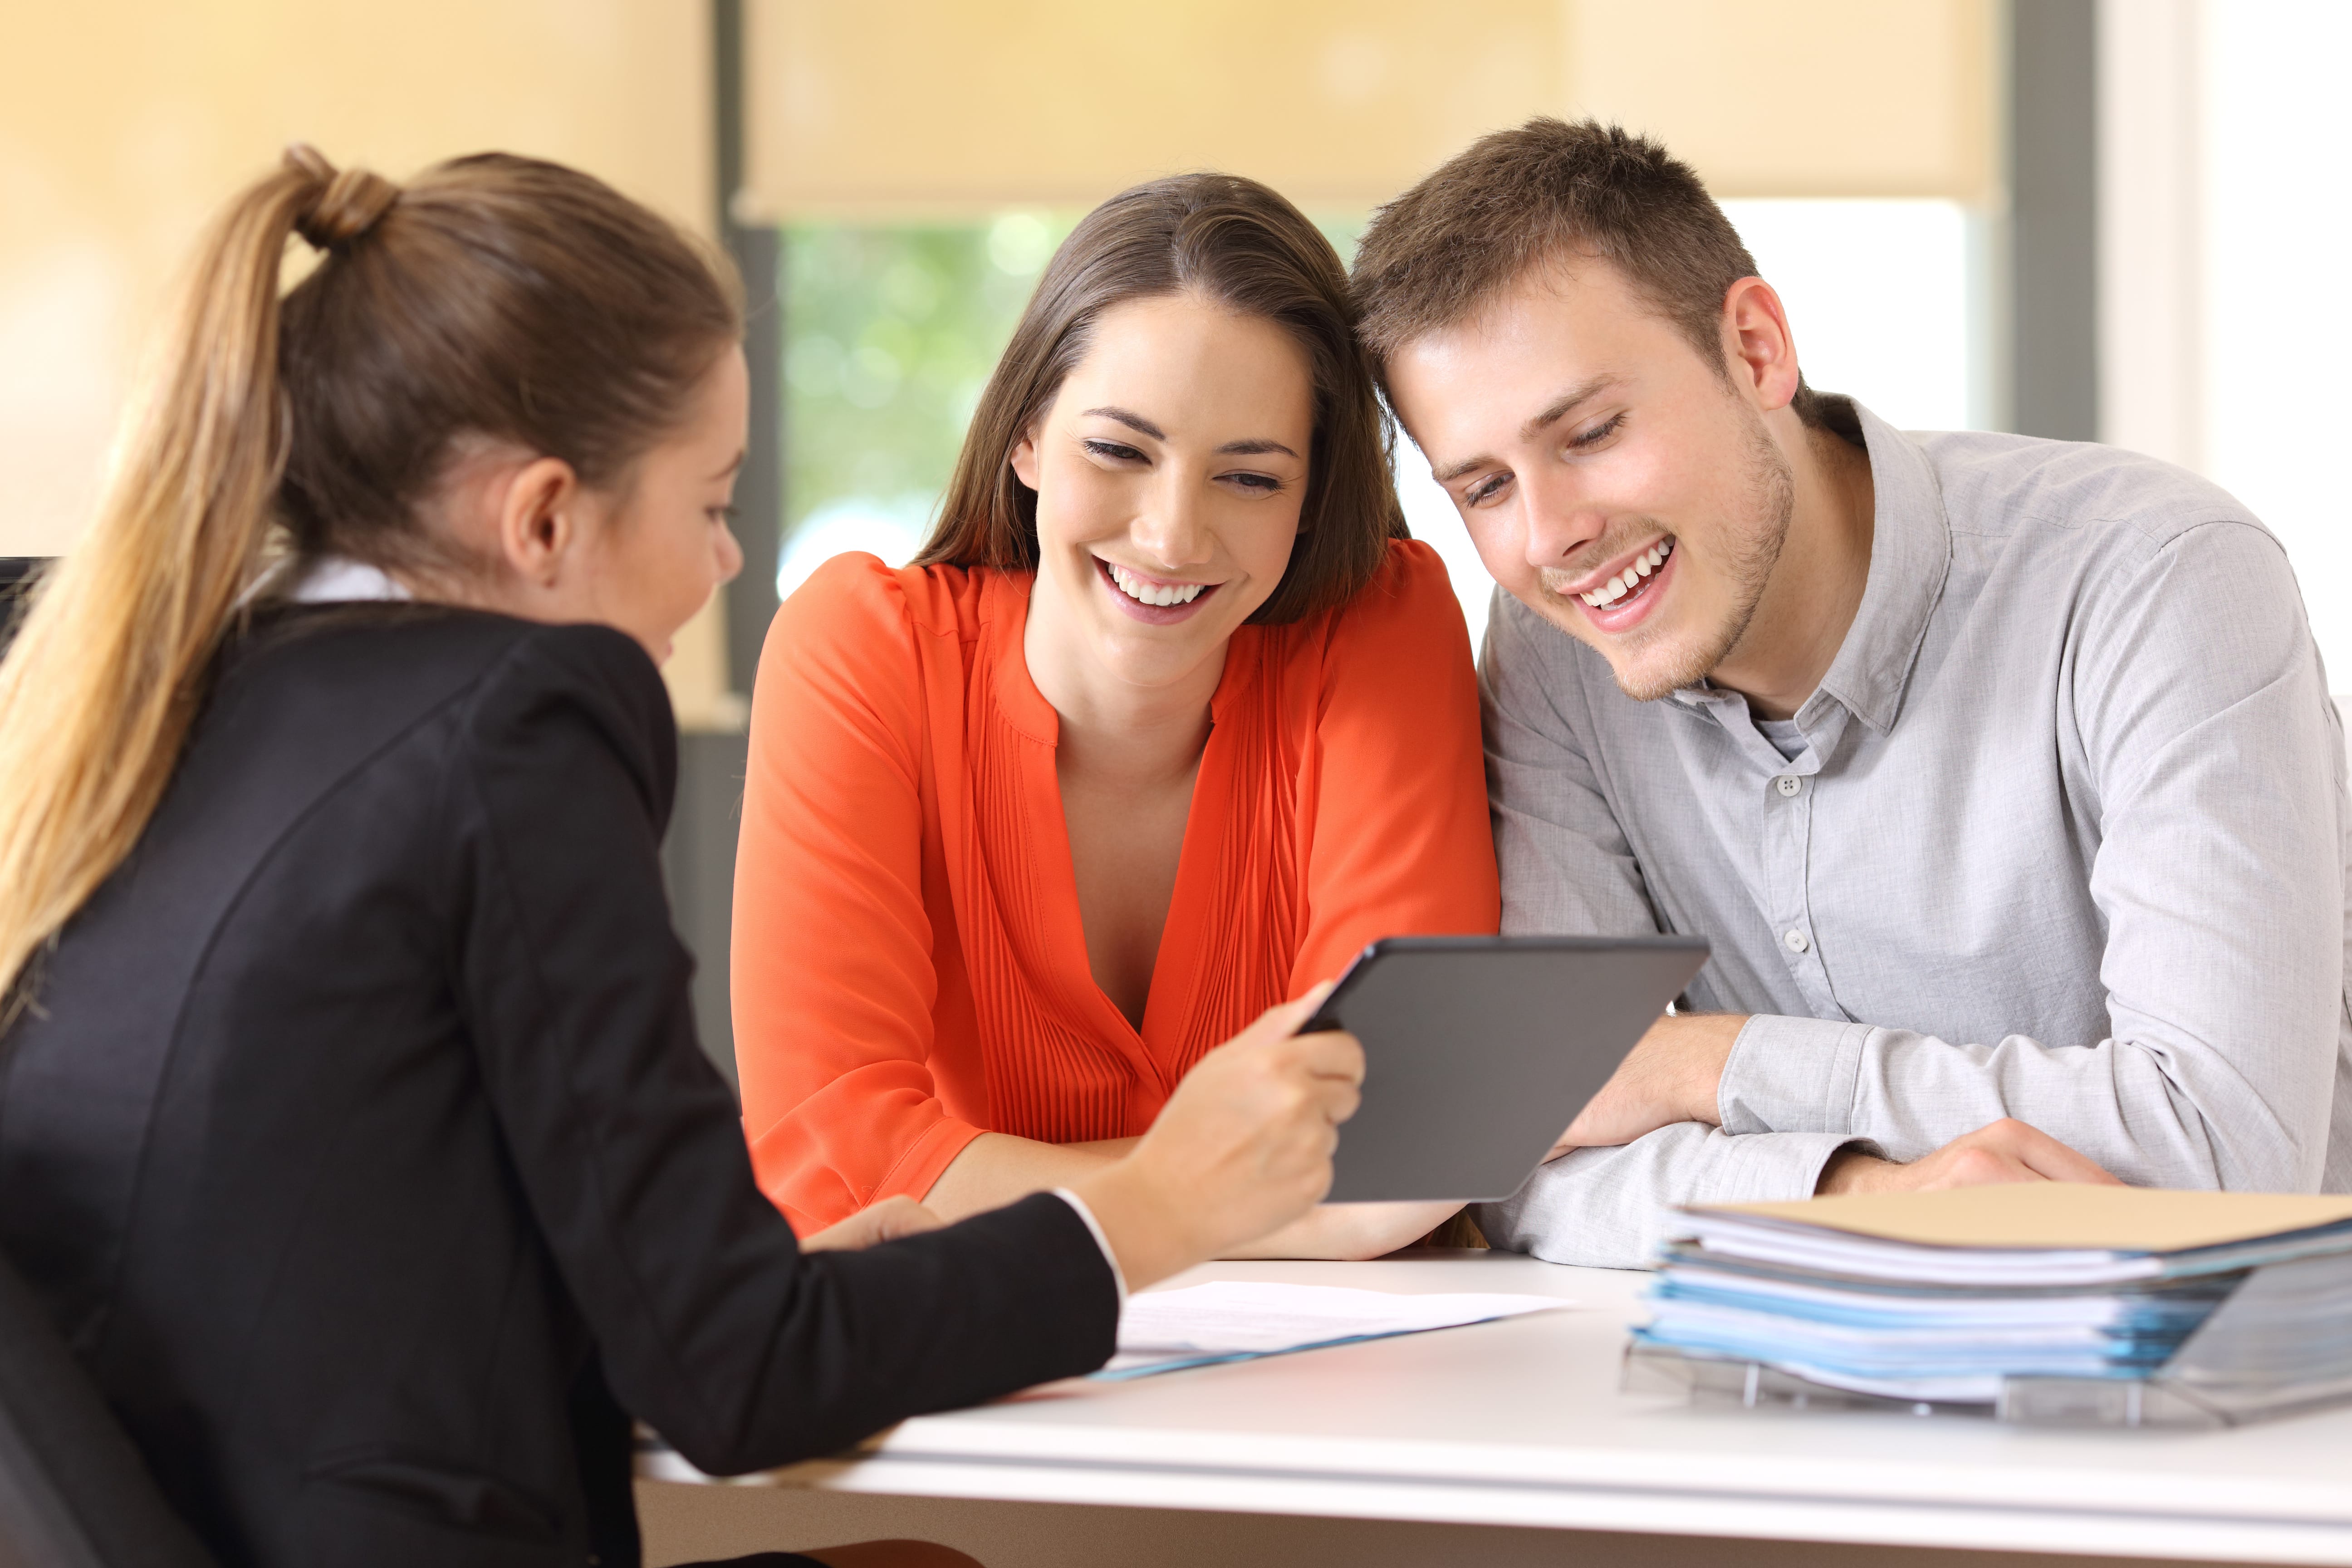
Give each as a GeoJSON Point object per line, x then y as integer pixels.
{"type": "Point", "coordinates": [337, 579]}
{"type": "Point", "coordinates": [1910, 556]}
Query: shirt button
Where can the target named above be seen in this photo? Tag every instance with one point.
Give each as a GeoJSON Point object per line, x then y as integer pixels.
{"type": "Point", "coordinates": [1790, 786]}
{"type": "Point", "coordinates": [1795, 940]}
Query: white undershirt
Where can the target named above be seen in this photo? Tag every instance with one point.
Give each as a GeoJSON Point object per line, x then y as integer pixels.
{"type": "Point", "coordinates": [339, 579]}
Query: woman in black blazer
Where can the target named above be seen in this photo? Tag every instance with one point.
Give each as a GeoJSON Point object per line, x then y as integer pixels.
{"type": "Point", "coordinates": [352, 1127]}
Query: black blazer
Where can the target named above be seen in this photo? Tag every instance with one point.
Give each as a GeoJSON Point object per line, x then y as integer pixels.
{"type": "Point", "coordinates": [361, 1148]}
{"type": "Point", "coordinates": [16, 576]}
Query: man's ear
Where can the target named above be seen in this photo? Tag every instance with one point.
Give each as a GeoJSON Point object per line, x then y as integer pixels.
{"type": "Point", "coordinates": [1759, 348]}
{"type": "Point", "coordinates": [539, 521]}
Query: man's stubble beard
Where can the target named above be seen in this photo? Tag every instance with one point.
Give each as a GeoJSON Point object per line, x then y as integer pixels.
{"type": "Point", "coordinates": [1749, 553]}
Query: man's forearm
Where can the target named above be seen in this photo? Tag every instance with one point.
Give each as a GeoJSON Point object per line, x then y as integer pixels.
{"type": "Point", "coordinates": [2153, 1116]}
{"type": "Point", "coordinates": [1611, 1207]}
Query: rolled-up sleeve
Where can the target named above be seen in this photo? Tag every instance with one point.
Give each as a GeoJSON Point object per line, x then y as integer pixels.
{"type": "Point", "coordinates": [2201, 713]}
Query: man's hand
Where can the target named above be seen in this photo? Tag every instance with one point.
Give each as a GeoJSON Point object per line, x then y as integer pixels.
{"type": "Point", "coordinates": [886, 1221]}
{"type": "Point", "coordinates": [2003, 1151]}
{"type": "Point", "coordinates": [1673, 1075]}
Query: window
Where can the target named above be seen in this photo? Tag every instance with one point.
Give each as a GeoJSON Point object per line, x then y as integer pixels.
{"type": "Point", "coordinates": [890, 334]}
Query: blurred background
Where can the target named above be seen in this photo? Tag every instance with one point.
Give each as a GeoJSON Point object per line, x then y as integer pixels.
{"type": "Point", "coordinates": [2089, 219]}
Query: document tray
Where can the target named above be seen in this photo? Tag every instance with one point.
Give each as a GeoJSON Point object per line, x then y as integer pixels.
{"type": "Point", "coordinates": [2279, 1344]}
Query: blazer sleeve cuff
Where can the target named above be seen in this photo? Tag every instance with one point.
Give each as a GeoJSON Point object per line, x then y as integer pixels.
{"type": "Point", "coordinates": [1102, 1241]}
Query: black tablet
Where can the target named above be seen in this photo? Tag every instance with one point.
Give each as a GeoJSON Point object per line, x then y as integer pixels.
{"type": "Point", "coordinates": [1479, 1050]}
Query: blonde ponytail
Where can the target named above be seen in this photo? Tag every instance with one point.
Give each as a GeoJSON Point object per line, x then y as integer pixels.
{"type": "Point", "coordinates": [491, 297]}
{"type": "Point", "coordinates": [98, 690]}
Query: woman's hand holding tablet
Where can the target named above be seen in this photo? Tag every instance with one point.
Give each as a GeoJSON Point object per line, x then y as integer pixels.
{"type": "Point", "coordinates": [1242, 1147]}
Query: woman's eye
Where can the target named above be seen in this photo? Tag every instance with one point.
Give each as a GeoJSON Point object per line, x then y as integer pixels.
{"type": "Point", "coordinates": [1598, 433]}
{"type": "Point", "coordinates": [1265, 484]}
{"type": "Point", "coordinates": [1116, 452]}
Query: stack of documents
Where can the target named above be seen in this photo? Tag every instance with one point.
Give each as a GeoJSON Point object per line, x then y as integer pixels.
{"type": "Point", "coordinates": [1234, 1320]}
{"type": "Point", "coordinates": [1942, 1296]}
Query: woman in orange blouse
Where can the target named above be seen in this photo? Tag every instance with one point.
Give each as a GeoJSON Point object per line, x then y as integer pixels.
{"type": "Point", "coordinates": [1169, 719]}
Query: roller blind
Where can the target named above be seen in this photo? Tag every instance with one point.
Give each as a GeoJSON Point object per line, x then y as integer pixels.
{"type": "Point", "coordinates": [919, 108]}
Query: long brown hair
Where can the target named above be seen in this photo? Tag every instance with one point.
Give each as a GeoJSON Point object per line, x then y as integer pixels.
{"type": "Point", "coordinates": [1237, 243]}
{"type": "Point", "coordinates": [493, 297]}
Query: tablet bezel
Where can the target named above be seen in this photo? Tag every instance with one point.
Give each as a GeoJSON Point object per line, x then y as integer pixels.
{"type": "Point", "coordinates": [1475, 1128]}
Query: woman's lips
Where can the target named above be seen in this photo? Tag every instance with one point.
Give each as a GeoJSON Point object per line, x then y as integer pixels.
{"type": "Point", "coordinates": [1152, 614]}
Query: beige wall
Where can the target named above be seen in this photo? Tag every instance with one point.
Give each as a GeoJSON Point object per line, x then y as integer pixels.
{"type": "Point", "coordinates": [942, 106]}
{"type": "Point", "coordinates": [122, 124]}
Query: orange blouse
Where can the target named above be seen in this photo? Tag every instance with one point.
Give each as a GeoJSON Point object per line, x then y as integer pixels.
{"type": "Point", "coordinates": [909, 970]}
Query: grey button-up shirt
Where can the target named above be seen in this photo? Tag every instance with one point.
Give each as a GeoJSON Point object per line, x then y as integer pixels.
{"type": "Point", "coordinates": [2066, 841]}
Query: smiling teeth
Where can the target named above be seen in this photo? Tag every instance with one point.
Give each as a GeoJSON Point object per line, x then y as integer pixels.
{"type": "Point", "coordinates": [1617, 587]}
{"type": "Point", "coordinates": [1161, 594]}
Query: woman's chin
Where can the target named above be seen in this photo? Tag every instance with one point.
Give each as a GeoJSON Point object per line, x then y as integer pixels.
{"type": "Point", "coordinates": [1149, 658]}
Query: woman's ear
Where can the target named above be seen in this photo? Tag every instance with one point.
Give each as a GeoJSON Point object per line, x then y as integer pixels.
{"type": "Point", "coordinates": [540, 526]}
{"type": "Point", "coordinates": [1025, 458]}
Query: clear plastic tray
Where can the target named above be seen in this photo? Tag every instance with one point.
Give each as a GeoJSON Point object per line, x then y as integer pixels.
{"type": "Point", "coordinates": [2280, 1345]}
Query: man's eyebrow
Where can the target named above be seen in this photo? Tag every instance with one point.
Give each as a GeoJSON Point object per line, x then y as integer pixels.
{"type": "Point", "coordinates": [1134, 422]}
{"type": "Point", "coordinates": [1250, 448]}
{"type": "Point", "coordinates": [1453, 471]}
{"type": "Point", "coordinates": [1559, 408]}
{"type": "Point", "coordinates": [733, 464]}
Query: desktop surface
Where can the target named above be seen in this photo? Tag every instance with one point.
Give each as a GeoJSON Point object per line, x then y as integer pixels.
{"type": "Point", "coordinates": [1522, 1423]}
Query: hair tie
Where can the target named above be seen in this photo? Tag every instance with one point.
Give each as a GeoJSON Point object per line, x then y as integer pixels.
{"type": "Point", "coordinates": [347, 204]}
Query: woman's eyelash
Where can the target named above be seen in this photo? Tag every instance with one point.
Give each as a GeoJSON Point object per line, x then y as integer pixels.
{"type": "Point", "coordinates": [1258, 481]}
{"type": "Point", "coordinates": [1115, 450]}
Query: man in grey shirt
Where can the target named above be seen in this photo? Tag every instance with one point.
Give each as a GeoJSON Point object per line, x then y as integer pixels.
{"type": "Point", "coordinates": [2002, 773]}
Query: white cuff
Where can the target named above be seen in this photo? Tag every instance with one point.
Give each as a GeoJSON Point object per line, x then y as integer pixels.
{"type": "Point", "coordinates": [1094, 1226]}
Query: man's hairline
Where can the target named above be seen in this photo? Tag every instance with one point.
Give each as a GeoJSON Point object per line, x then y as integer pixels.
{"type": "Point", "coordinates": [1552, 256]}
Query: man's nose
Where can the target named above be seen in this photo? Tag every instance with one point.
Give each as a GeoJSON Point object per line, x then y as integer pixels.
{"type": "Point", "coordinates": [1560, 518]}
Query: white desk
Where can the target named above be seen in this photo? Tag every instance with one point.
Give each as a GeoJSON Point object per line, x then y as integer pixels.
{"type": "Point", "coordinates": [1521, 1423]}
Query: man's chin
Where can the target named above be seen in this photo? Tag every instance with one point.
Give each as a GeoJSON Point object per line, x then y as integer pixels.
{"type": "Point", "coordinates": [1647, 679]}
{"type": "Point", "coordinates": [1647, 666]}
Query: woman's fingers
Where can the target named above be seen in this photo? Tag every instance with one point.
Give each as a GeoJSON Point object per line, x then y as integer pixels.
{"type": "Point", "coordinates": [1333, 1057]}
{"type": "Point", "coordinates": [1283, 1020]}
{"type": "Point", "coordinates": [895, 1217]}
{"type": "Point", "coordinates": [886, 1221]}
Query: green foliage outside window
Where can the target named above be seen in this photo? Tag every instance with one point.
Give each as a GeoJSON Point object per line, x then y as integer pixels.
{"type": "Point", "coordinates": [891, 333]}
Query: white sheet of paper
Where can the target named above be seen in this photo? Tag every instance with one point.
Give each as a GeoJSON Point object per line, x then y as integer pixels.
{"type": "Point", "coordinates": [1233, 1319]}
